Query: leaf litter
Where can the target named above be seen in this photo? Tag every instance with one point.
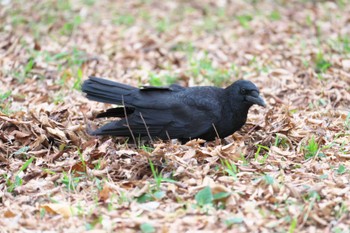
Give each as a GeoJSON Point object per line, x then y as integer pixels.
{"type": "Point", "coordinates": [287, 169]}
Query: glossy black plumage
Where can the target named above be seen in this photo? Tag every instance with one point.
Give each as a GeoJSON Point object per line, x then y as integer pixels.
{"type": "Point", "coordinates": [173, 112]}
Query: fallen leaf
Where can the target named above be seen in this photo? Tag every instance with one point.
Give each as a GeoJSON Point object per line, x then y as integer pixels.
{"type": "Point", "coordinates": [63, 209]}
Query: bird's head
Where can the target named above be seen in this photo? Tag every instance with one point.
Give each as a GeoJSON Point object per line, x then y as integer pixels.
{"type": "Point", "coordinates": [247, 93]}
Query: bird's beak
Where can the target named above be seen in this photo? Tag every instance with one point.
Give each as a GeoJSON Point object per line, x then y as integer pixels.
{"type": "Point", "coordinates": [255, 98]}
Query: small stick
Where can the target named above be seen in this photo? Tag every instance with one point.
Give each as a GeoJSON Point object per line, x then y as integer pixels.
{"type": "Point", "coordinates": [127, 121]}
{"type": "Point", "coordinates": [144, 122]}
{"type": "Point", "coordinates": [217, 134]}
{"type": "Point", "coordinates": [167, 134]}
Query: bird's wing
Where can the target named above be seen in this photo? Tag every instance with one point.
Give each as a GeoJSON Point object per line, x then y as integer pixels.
{"type": "Point", "coordinates": [173, 87]}
{"type": "Point", "coordinates": [163, 125]}
{"type": "Point", "coordinates": [184, 114]}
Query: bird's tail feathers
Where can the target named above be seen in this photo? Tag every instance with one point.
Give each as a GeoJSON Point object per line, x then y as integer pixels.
{"type": "Point", "coordinates": [106, 91]}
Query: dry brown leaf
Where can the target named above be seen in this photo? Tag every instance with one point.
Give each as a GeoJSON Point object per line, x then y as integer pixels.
{"type": "Point", "coordinates": [104, 194]}
{"type": "Point", "coordinates": [58, 133]}
{"type": "Point", "coordinates": [9, 214]}
{"type": "Point", "coordinates": [278, 151]}
{"type": "Point", "coordinates": [63, 209]}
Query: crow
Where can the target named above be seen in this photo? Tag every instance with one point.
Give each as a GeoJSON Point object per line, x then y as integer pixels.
{"type": "Point", "coordinates": [173, 112]}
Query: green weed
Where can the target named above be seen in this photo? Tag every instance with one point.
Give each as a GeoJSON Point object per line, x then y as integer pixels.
{"type": "Point", "coordinates": [313, 196]}
{"type": "Point", "coordinates": [5, 103]}
{"type": "Point", "coordinates": [280, 141]}
{"type": "Point", "coordinates": [161, 80]}
{"type": "Point", "coordinates": [257, 154]}
{"type": "Point", "coordinates": [205, 198]}
{"type": "Point", "coordinates": [70, 64]}
{"type": "Point", "coordinates": [186, 47]}
{"type": "Point", "coordinates": [146, 148]}
{"type": "Point", "coordinates": [341, 44]}
{"type": "Point", "coordinates": [22, 73]}
{"type": "Point", "coordinates": [147, 228]}
{"type": "Point", "coordinates": [69, 27]}
{"type": "Point", "coordinates": [347, 122]}
{"type": "Point", "coordinates": [204, 68]}
{"type": "Point", "coordinates": [209, 24]}
{"type": "Point", "coordinates": [127, 20]}
{"type": "Point", "coordinates": [244, 20]}
{"type": "Point", "coordinates": [18, 180]}
{"type": "Point", "coordinates": [233, 220]}
{"type": "Point", "coordinates": [268, 179]}
{"type": "Point", "coordinates": [341, 210]}
{"type": "Point", "coordinates": [230, 168]}
{"type": "Point", "coordinates": [293, 225]}
{"type": "Point", "coordinates": [89, 2]}
{"type": "Point", "coordinates": [311, 149]}
{"type": "Point", "coordinates": [321, 64]}
{"type": "Point", "coordinates": [155, 191]}
{"type": "Point", "coordinates": [22, 151]}
{"type": "Point", "coordinates": [158, 176]}
{"type": "Point", "coordinates": [163, 25]}
{"type": "Point", "coordinates": [341, 169]}
{"type": "Point", "coordinates": [70, 181]}
{"type": "Point", "coordinates": [275, 15]}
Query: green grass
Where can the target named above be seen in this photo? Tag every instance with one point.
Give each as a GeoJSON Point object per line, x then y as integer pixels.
{"type": "Point", "coordinates": [341, 44]}
{"type": "Point", "coordinates": [209, 24]}
{"type": "Point", "coordinates": [229, 222]}
{"type": "Point", "coordinates": [205, 198]}
{"type": "Point", "coordinates": [158, 176]}
{"type": "Point", "coordinates": [71, 181]}
{"type": "Point", "coordinates": [230, 168]}
{"type": "Point", "coordinates": [321, 64]}
{"type": "Point", "coordinates": [275, 15]}
{"type": "Point", "coordinates": [11, 185]}
{"type": "Point", "coordinates": [341, 210]}
{"type": "Point", "coordinates": [186, 47]}
{"type": "Point", "coordinates": [159, 80]}
{"type": "Point", "coordinates": [280, 142]}
{"type": "Point", "coordinates": [71, 25]}
{"type": "Point", "coordinates": [155, 192]}
{"type": "Point", "coordinates": [5, 102]}
{"type": "Point", "coordinates": [205, 69]}
{"type": "Point", "coordinates": [23, 72]}
{"type": "Point", "coordinates": [347, 122]}
{"type": "Point", "coordinates": [311, 149]}
{"type": "Point", "coordinates": [147, 228]}
{"type": "Point", "coordinates": [244, 20]}
{"type": "Point", "coordinates": [69, 64]}
{"type": "Point", "coordinates": [268, 179]}
{"type": "Point", "coordinates": [293, 225]}
{"type": "Point", "coordinates": [163, 25]}
{"type": "Point", "coordinates": [89, 2]}
{"type": "Point", "coordinates": [48, 13]}
{"type": "Point", "coordinates": [341, 169]}
{"type": "Point", "coordinates": [257, 155]}
{"type": "Point", "coordinates": [125, 19]}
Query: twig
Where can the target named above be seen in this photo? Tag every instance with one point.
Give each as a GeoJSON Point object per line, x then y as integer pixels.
{"type": "Point", "coordinates": [127, 121]}
{"type": "Point", "coordinates": [216, 132]}
{"type": "Point", "coordinates": [167, 134]}
{"type": "Point", "coordinates": [144, 122]}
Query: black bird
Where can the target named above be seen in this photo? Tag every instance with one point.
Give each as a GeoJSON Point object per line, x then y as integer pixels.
{"type": "Point", "coordinates": [171, 112]}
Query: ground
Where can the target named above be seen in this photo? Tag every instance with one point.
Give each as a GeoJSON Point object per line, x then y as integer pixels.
{"type": "Point", "coordinates": [286, 170]}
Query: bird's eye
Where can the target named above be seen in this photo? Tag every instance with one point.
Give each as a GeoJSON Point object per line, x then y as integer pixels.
{"type": "Point", "coordinates": [243, 91]}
